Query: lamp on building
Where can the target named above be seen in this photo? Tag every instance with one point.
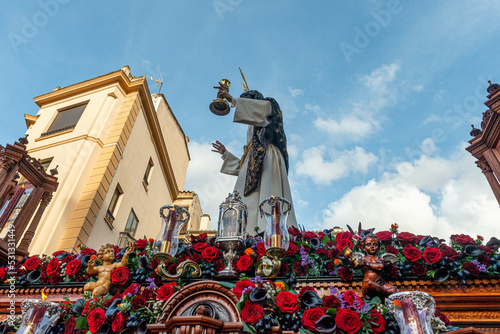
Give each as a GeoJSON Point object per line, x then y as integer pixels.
{"type": "Point", "coordinates": [231, 232]}
{"type": "Point", "coordinates": [167, 242]}
{"type": "Point", "coordinates": [276, 238]}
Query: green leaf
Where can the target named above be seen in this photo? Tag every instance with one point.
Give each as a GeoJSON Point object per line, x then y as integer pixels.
{"type": "Point", "coordinates": [248, 328]}
{"type": "Point", "coordinates": [331, 312]}
{"type": "Point", "coordinates": [81, 322]}
{"type": "Point", "coordinates": [228, 285]}
{"type": "Point", "coordinates": [375, 301]}
{"type": "Point", "coordinates": [242, 301]}
{"type": "Point", "coordinates": [431, 273]}
{"type": "Point", "coordinates": [326, 238]}
{"type": "Point", "coordinates": [305, 331]}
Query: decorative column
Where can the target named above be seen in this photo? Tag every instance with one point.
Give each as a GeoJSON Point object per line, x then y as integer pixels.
{"type": "Point", "coordinates": [7, 172]}
{"type": "Point", "coordinates": [492, 180]}
{"type": "Point", "coordinates": [11, 206]}
{"type": "Point", "coordinates": [26, 213]}
{"type": "Point", "coordinates": [28, 235]}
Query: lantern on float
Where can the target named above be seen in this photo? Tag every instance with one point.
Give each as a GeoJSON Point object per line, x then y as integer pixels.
{"type": "Point", "coordinates": [276, 238]}
{"type": "Point", "coordinates": [231, 231]}
{"type": "Point", "coordinates": [167, 242]}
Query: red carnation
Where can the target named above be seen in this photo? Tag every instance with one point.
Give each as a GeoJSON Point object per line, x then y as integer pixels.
{"type": "Point", "coordinates": [331, 302]}
{"type": "Point", "coordinates": [95, 319]}
{"type": "Point", "coordinates": [312, 315]}
{"type": "Point", "coordinates": [419, 269]}
{"type": "Point", "coordinates": [32, 263]}
{"type": "Point", "coordinates": [405, 238]}
{"type": "Point", "coordinates": [244, 263]}
{"type": "Point", "coordinates": [432, 255]}
{"type": "Point", "coordinates": [284, 269]}
{"type": "Point", "coordinates": [86, 251]}
{"type": "Point", "coordinates": [472, 268]}
{"type": "Point", "coordinates": [137, 302]}
{"type": "Point", "coordinates": [53, 266]}
{"type": "Point", "coordinates": [252, 313]}
{"type": "Point", "coordinates": [209, 254]}
{"type": "Point", "coordinates": [195, 258]}
{"type": "Point", "coordinates": [391, 249]}
{"type": "Point", "coordinates": [348, 321]}
{"type": "Point", "coordinates": [411, 253]}
{"type": "Point", "coordinates": [310, 235]}
{"type": "Point", "coordinates": [330, 266]}
{"type": "Point", "coordinates": [449, 253]}
{"type": "Point", "coordinates": [385, 237]}
{"type": "Point", "coordinates": [299, 269]}
{"type": "Point", "coordinates": [352, 298]}
{"type": "Point", "coordinates": [73, 267]}
{"type": "Point", "coordinates": [165, 291]}
{"type": "Point", "coordinates": [391, 271]}
{"type": "Point", "coordinates": [333, 253]}
{"type": "Point", "coordinates": [346, 274]}
{"type": "Point", "coordinates": [304, 289]}
{"type": "Point", "coordinates": [55, 278]}
{"type": "Point", "coordinates": [321, 252]}
{"type": "Point", "coordinates": [120, 275]}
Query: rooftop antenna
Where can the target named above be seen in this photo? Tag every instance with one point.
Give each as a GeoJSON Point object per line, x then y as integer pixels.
{"type": "Point", "coordinates": [159, 82]}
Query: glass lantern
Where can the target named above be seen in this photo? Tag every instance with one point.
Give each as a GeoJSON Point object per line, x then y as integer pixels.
{"type": "Point", "coordinates": [276, 238]}
{"type": "Point", "coordinates": [413, 311]}
{"type": "Point", "coordinates": [167, 241]}
{"type": "Point", "coordinates": [231, 232]}
{"type": "Point", "coordinates": [38, 316]}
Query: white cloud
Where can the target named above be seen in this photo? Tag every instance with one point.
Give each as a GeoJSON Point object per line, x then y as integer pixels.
{"type": "Point", "coordinates": [432, 118]}
{"type": "Point", "coordinates": [314, 108]}
{"type": "Point", "coordinates": [366, 113]}
{"type": "Point", "coordinates": [295, 91]}
{"type": "Point", "coordinates": [418, 88]}
{"type": "Point", "coordinates": [464, 201]}
{"type": "Point", "coordinates": [204, 178]}
{"type": "Point", "coordinates": [342, 163]}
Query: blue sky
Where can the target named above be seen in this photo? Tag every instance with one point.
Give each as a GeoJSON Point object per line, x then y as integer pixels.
{"type": "Point", "coordinates": [378, 97]}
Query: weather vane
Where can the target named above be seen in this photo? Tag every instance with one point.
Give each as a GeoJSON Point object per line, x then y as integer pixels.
{"type": "Point", "coordinates": [159, 82]}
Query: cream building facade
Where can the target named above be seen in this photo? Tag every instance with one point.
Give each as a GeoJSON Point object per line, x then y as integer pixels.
{"type": "Point", "coordinates": [121, 155]}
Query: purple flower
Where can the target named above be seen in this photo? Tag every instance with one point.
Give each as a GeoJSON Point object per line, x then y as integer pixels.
{"type": "Point", "coordinates": [305, 258]}
{"type": "Point", "coordinates": [480, 266]}
{"type": "Point", "coordinates": [152, 284]}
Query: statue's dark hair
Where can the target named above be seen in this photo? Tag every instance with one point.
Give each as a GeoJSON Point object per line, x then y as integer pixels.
{"type": "Point", "coordinates": [253, 94]}
{"type": "Point", "coordinates": [369, 235]}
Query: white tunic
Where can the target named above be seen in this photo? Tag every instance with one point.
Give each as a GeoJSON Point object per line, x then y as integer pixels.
{"type": "Point", "coordinates": [274, 178]}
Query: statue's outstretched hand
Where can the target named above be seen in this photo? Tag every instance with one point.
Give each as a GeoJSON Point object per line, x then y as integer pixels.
{"type": "Point", "coordinates": [219, 147]}
{"type": "Point", "coordinates": [223, 93]}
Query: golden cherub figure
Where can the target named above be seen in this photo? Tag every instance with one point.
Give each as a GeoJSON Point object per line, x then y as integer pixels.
{"type": "Point", "coordinates": [106, 255]}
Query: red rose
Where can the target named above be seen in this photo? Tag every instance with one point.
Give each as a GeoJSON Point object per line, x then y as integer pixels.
{"type": "Point", "coordinates": [294, 231]}
{"type": "Point", "coordinates": [165, 291]}
{"type": "Point", "coordinates": [331, 302]}
{"type": "Point", "coordinates": [3, 273]}
{"type": "Point", "coordinates": [32, 263]}
{"type": "Point", "coordinates": [345, 274]}
{"type": "Point", "coordinates": [343, 239]}
{"type": "Point", "coordinates": [432, 255]}
{"type": "Point", "coordinates": [411, 253]}
{"type": "Point", "coordinates": [449, 253]}
{"type": "Point", "coordinates": [405, 238]}
{"type": "Point", "coordinates": [419, 269]}
{"type": "Point", "coordinates": [141, 244]}
{"type": "Point", "coordinates": [419, 238]}
{"type": "Point", "coordinates": [86, 251]}
{"type": "Point", "coordinates": [244, 263]}
{"type": "Point", "coordinates": [486, 249]}
{"type": "Point", "coordinates": [292, 249]}
{"type": "Point", "coordinates": [330, 243]}
{"type": "Point", "coordinates": [352, 298]}
{"type": "Point", "coordinates": [385, 237]}
{"type": "Point", "coordinates": [311, 315]}
{"type": "Point", "coordinates": [95, 319]}
{"type": "Point", "coordinates": [310, 235]}
{"type": "Point", "coordinates": [462, 239]}
{"type": "Point", "coordinates": [391, 249]}
{"type": "Point", "coordinates": [348, 321]}
{"type": "Point", "coordinates": [69, 258]}
{"type": "Point", "coordinates": [199, 247]}
{"type": "Point", "coordinates": [58, 253]}
{"type": "Point", "coordinates": [73, 267]}
{"type": "Point", "coordinates": [287, 302]}
{"type": "Point", "coordinates": [333, 253]}
{"type": "Point", "coordinates": [53, 266]}
{"type": "Point", "coordinates": [120, 275]}
{"type": "Point", "coordinates": [133, 289]}
{"type": "Point", "coordinates": [251, 313]}
{"type": "Point", "coordinates": [209, 254]}
{"type": "Point", "coordinates": [260, 249]}
{"type": "Point", "coordinates": [118, 323]}
{"type": "Point", "coordinates": [219, 265]}
{"type": "Point", "coordinates": [242, 285]}
{"type": "Point", "coordinates": [377, 322]}
{"type": "Point", "coordinates": [304, 289]}
{"type": "Point", "coordinates": [69, 326]}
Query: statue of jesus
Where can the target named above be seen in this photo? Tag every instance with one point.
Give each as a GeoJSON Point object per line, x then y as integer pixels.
{"type": "Point", "coordinates": [263, 169]}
